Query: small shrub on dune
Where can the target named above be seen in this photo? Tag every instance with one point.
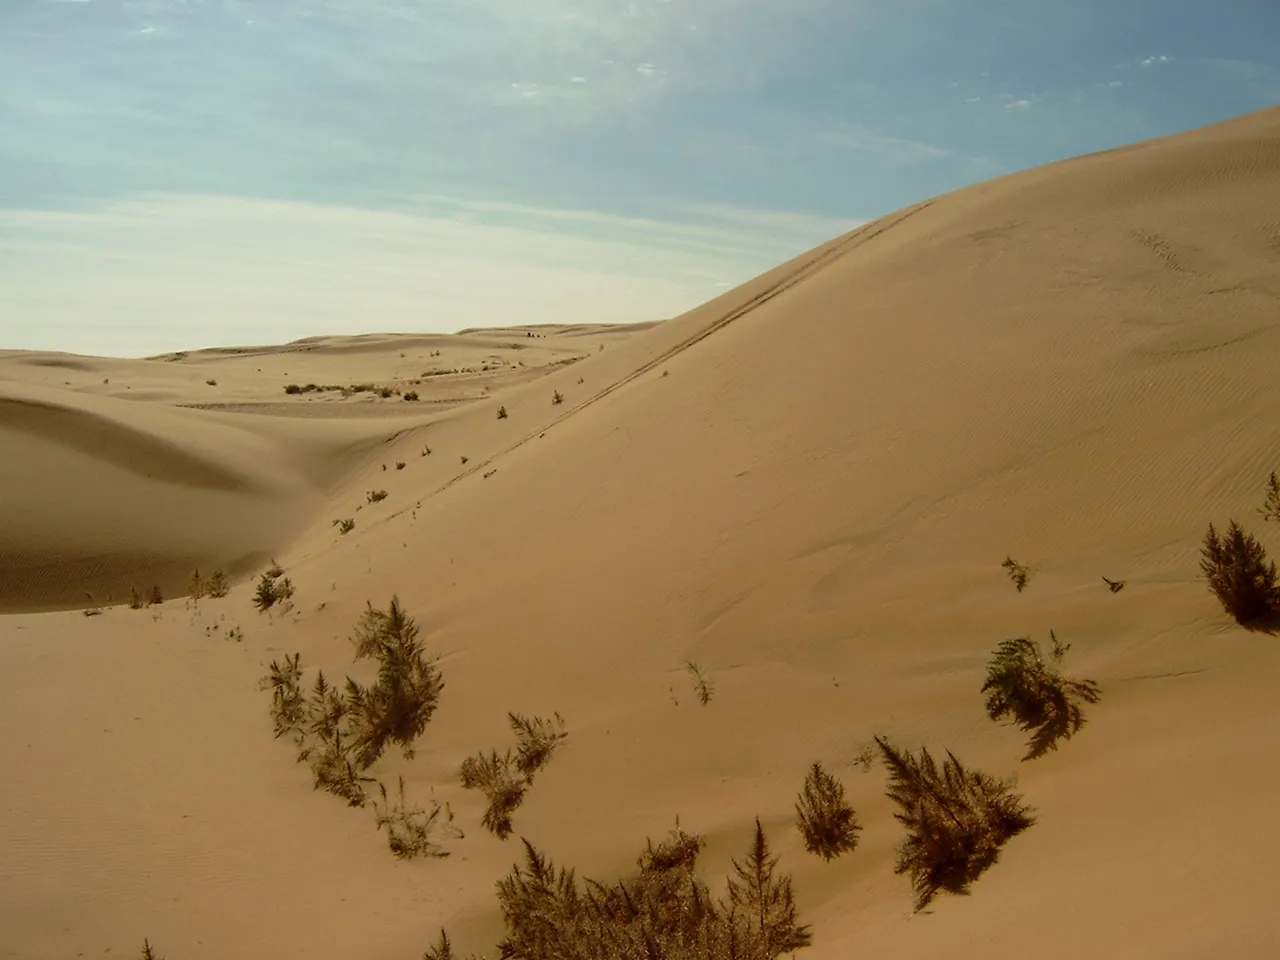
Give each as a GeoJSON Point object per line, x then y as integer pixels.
{"type": "Point", "coordinates": [288, 703]}
{"type": "Point", "coordinates": [1018, 573]}
{"type": "Point", "coordinates": [376, 496]}
{"type": "Point", "coordinates": [1240, 575]}
{"type": "Point", "coordinates": [703, 688]}
{"type": "Point", "coordinates": [217, 585]}
{"type": "Point", "coordinates": [155, 597]}
{"type": "Point", "coordinates": [1025, 686]}
{"type": "Point", "coordinates": [149, 952]}
{"type": "Point", "coordinates": [557, 398]}
{"type": "Point", "coordinates": [496, 776]}
{"type": "Point", "coordinates": [410, 830]}
{"type": "Point", "coordinates": [957, 820]}
{"type": "Point", "coordinates": [537, 739]}
{"type": "Point", "coordinates": [1270, 509]}
{"type": "Point", "coordinates": [400, 464]}
{"type": "Point", "coordinates": [398, 706]}
{"type": "Point", "coordinates": [502, 413]}
{"type": "Point", "coordinates": [197, 586]}
{"type": "Point", "coordinates": [411, 396]}
{"type": "Point", "coordinates": [292, 389]}
{"type": "Point", "coordinates": [273, 588]}
{"type": "Point", "coordinates": [135, 599]}
{"type": "Point", "coordinates": [345, 526]}
{"type": "Point", "coordinates": [826, 820]}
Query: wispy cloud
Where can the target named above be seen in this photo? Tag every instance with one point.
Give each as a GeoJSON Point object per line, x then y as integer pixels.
{"type": "Point", "coordinates": [1018, 105]}
{"type": "Point", "coordinates": [1152, 60]}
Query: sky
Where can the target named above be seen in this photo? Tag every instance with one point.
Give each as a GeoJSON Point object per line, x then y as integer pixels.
{"type": "Point", "coordinates": [186, 173]}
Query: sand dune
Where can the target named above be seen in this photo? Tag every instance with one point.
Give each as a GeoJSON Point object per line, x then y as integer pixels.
{"type": "Point", "coordinates": [807, 485]}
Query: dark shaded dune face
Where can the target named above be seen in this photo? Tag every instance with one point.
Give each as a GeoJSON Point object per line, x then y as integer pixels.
{"type": "Point", "coordinates": [109, 442]}
{"type": "Point", "coordinates": [93, 508]}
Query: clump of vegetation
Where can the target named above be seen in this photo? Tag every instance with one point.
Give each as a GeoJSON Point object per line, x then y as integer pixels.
{"type": "Point", "coordinates": [149, 952]}
{"type": "Point", "coordinates": [502, 413]}
{"type": "Point", "coordinates": [217, 585]}
{"type": "Point", "coordinates": [411, 396]}
{"type": "Point", "coordinates": [504, 778]}
{"type": "Point", "coordinates": [288, 703]}
{"type": "Point", "coordinates": [197, 586]}
{"type": "Point", "coordinates": [464, 459]}
{"type": "Point", "coordinates": [1240, 575]}
{"type": "Point", "coordinates": [135, 599]}
{"type": "Point", "coordinates": [1026, 687]}
{"type": "Point", "coordinates": [399, 464]}
{"type": "Point", "coordinates": [410, 830]}
{"type": "Point", "coordinates": [292, 388]}
{"type": "Point", "coordinates": [155, 597]}
{"type": "Point", "coordinates": [273, 588]}
{"type": "Point", "coordinates": [376, 496]}
{"type": "Point", "coordinates": [385, 393]}
{"type": "Point", "coordinates": [345, 526]}
{"type": "Point", "coordinates": [662, 911]}
{"type": "Point", "coordinates": [426, 451]}
{"type": "Point", "coordinates": [957, 820]}
{"type": "Point", "coordinates": [211, 383]}
{"type": "Point", "coordinates": [557, 398]}
{"type": "Point", "coordinates": [396, 708]}
{"type": "Point", "coordinates": [1018, 573]}
{"type": "Point", "coordinates": [703, 688]}
{"type": "Point", "coordinates": [1270, 509]}
{"type": "Point", "coordinates": [1115, 586]}
{"type": "Point", "coordinates": [827, 822]}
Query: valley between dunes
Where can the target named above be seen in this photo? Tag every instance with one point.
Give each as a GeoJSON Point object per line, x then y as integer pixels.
{"type": "Point", "coordinates": [807, 485]}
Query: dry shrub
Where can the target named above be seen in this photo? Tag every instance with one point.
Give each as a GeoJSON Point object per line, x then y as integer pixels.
{"type": "Point", "coordinates": [217, 585]}
{"type": "Point", "coordinates": [1240, 575]}
{"type": "Point", "coordinates": [1026, 687]}
{"type": "Point", "coordinates": [505, 778]}
{"type": "Point", "coordinates": [957, 820]}
{"type": "Point", "coordinates": [826, 820]}
{"type": "Point", "coordinates": [411, 830]}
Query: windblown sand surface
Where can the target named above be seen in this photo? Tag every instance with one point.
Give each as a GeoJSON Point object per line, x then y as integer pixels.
{"type": "Point", "coordinates": [807, 485]}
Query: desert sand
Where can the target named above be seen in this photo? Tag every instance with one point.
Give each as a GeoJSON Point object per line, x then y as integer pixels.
{"type": "Point", "coordinates": [806, 485]}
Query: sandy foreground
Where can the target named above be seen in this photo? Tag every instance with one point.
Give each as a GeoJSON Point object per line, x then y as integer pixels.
{"type": "Point", "coordinates": [807, 485]}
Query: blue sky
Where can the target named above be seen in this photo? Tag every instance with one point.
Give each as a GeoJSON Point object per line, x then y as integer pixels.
{"type": "Point", "coordinates": [178, 173]}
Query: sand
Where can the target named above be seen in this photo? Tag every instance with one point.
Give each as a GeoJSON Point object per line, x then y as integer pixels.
{"type": "Point", "coordinates": [806, 485]}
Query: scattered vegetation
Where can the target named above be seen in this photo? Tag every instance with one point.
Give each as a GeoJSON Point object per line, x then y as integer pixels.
{"type": "Point", "coordinates": [411, 396]}
{"type": "Point", "coordinates": [504, 778]}
{"type": "Point", "coordinates": [376, 496]}
{"type": "Point", "coordinates": [197, 586]}
{"type": "Point", "coordinates": [217, 585]}
{"type": "Point", "coordinates": [826, 820]}
{"type": "Point", "coordinates": [662, 911]}
{"type": "Point", "coordinates": [135, 599]}
{"type": "Point", "coordinates": [155, 597]}
{"type": "Point", "coordinates": [345, 526]}
{"type": "Point", "coordinates": [1026, 687]}
{"type": "Point", "coordinates": [957, 820]}
{"type": "Point", "coordinates": [385, 393]}
{"type": "Point", "coordinates": [557, 398]}
{"type": "Point", "coordinates": [399, 464]}
{"type": "Point", "coordinates": [273, 588]}
{"type": "Point", "coordinates": [703, 688]}
{"type": "Point", "coordinates": [1018, 573]}
{"type": "Point", "coordinates": [502, 413]}
{"type": "Point", "coordinates": [1240, 575]}
{"type": "Point", "coordinates": [1270, 509]}
{"type": "Point", "coordinates": [410, 830]}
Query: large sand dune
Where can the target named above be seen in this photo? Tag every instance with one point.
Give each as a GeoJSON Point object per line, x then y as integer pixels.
{"type": "Point", "coordinates": [807, 485]}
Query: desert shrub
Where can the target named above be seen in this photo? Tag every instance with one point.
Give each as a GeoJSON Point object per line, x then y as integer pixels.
{"type": "Point", "coordinates": [537, 738]}
{"type": "Point", "coordinates": [504, 778]}
{"type": "Point", "coordinates": [703, 688]}
{"type": "Point", "coordinates": [957, 820]}
{"type": "Point", "coordinates": [426, 451]}
{"type": "Point", "coordinates": [1270, 509]}
{"type": "Point", "coordinates": [1018, 573]}
{"type": "Point", "coordinates": [464, 459]}
{"type": "Point", "coordinates": [211, 383]}
{"type": "Point", "coordinates": [1026, 687]}
{"type": "Point", "coordinates": [149, 952]}
{"type": "Point", "coordinates": [376, 496]}
{"type": "Point", "coordinates": [345, 526]}
{"type": "Point", "coordinates": [662, 911]}
{"type": "Point", "coordinates": [273, 587]}
{"type": "Point", "coordinates": [385, 393]}
{"type": "Point", "coordinates": [155, 597]}
{"type": "Point", "coordinates": [292, 388]}
{"type": "Point", "coordinates": [826, 820]}
{"type": "Point", "coordinates": [288, 704]}
{"type": "Point", "coordinates": [497, 777]}
{"type": "Point", "coordinates": [135, 599]}
{"type": "Point", "coordinates": [400, 464]}
{"type": "Point", "coordinates": [1239, 574]}
{"type": "Point", "coordinates": [442, 949]}
{"type": "Point", "coordinates": [1115, 586]}
{"type": "Point", "coordinates": [557, 398]}
{"type": "Point", "coordinates": [217, 584]}
{"type": "Point", "coordinates": [410, 830]}
{"type": "Point", "coordinates": [398, 706]}
{"type": "Point", "coordinates": [197, 586]}
{"type": "Point", "coordinates": [502, 413]}
{"type": "Point", "coordinates": [411, 396]}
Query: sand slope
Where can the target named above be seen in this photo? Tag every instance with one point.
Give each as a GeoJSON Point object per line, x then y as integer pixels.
{"type": "Point", "coordinates": [808, 486]}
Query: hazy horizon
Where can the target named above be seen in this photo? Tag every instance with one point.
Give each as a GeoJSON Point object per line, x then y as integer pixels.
{"type": "Point", "coordinates": [177, 174]}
